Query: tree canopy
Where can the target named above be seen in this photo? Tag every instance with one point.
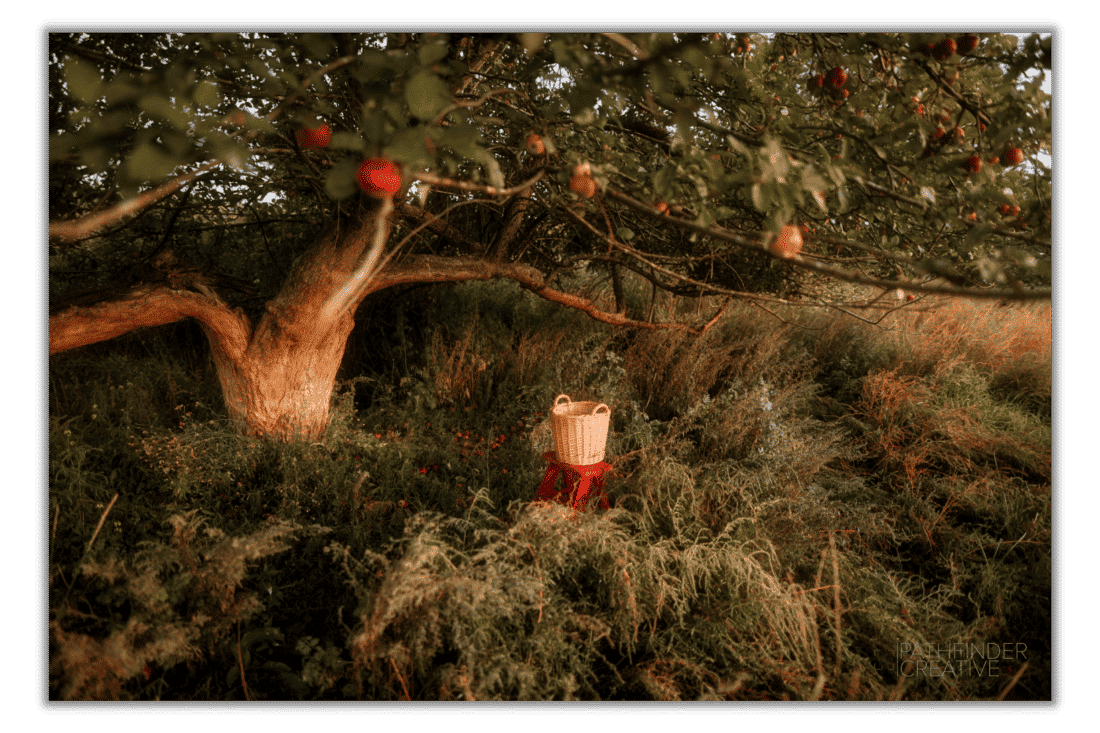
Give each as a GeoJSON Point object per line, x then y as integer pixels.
{"type": "Point", "coordinates": [879, 146]}
{"type": "Point", "coordinates": [244, 171]}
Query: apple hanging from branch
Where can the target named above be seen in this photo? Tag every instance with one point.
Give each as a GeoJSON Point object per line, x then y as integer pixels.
{"type": "Point", "coordinates": [379, 177]}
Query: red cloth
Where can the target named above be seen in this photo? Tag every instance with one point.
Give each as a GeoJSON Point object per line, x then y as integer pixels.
{"type": "Point", "coordinates": [581, 483]}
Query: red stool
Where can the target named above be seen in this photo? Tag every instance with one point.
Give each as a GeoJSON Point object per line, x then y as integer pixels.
{"type": "Point", "coordinates": [581, 482]}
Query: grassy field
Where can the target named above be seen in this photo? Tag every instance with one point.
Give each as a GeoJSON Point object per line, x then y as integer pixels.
{"type": "Point", "coordinates": [805, 506]}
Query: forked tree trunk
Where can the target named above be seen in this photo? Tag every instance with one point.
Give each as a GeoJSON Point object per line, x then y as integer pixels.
{"type": "Point", "coordinates": [278, 378]}
{"type": "Point", "coordinates": [283, 390]}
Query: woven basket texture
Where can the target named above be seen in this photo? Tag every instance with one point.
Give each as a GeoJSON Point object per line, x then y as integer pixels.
{"type": "Point", "coordinates": [580, 430]}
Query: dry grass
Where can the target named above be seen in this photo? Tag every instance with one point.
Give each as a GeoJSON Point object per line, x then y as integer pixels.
{"type": "Point", "coordinates": [771, 537]}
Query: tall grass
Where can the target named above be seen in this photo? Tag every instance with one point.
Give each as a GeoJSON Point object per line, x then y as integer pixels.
{"type": "Point", "coordinates": [798, 504]}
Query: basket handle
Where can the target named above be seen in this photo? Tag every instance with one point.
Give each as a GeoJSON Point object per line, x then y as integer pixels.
{"type": "Point", "coordinates": [559, 398]}
{"type": "Point", "coordinates": [605, 409]}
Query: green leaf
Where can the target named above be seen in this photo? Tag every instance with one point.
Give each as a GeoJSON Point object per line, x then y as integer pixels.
{"type": "Point", "coordinates": [319, 45]}
{"type": "Point", "coordinates": [408, 147]}
{"type": "Point", "coordinates": [463, 139]}
{"type": "Point", "coordinates": [426, 94]}
{"type": "Point", "coordinates": [496, 176]}
{"type": "Point", "coordinates": [347, 141]}
{"type": "Point", "coordinates": [177, 143]}
{"type": "Point", "coordinates": [266, 633]}
{"type": "Point", "coordinates": [96, 158]}
{"type": "Point", "coordinates": [758, 196]}
{"type": "Point", "coordinates": [82, 79]}
{"type": "Point", "coordinates": [207, 95]}
{"type": "Point", "coordinates": [625, 234]}
{"type": "Point", "coordinates": [974, 237]}
{"type": "Point", "coordinates": [161, 108]}
{"type": "Point", "coordinates": [431, 52]}
{"type": "Point", "coordinates": [340, 181]}
{"type": "Point", "coordinates": [233, 154]}
{"type": "Point", "coordinates": [118, 91]}
{"type": "Point", "coordinates": [149, 163]}
{"type": "Point", "coordinates": [663, 180]}
{"type": "Point", "coordinates": [373, 124]}
{"type": "Point", "coordinates": [62, 145]}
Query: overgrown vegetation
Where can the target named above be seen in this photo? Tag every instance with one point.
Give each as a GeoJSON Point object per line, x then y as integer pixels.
{"type": "Point", "coordinates": [808, 508]}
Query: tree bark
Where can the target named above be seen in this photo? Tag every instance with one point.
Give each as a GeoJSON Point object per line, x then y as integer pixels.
{"type": "Point", "coordinates": [278, 378]}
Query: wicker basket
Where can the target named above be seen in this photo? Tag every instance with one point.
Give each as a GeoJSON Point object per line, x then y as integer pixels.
{"type": "Point", "coordinates": [580, 430]}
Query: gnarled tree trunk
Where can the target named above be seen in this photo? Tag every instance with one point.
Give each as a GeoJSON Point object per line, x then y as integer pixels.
{"type": "Point", "coordinates": [278, 377]}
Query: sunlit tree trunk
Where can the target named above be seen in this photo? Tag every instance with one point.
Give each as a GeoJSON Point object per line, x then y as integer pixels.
{"type": "Point", "coordinates": [278, 378]}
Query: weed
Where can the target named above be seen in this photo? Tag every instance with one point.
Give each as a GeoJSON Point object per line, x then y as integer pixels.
{"type": "Point", "coordinates": [797, 506]}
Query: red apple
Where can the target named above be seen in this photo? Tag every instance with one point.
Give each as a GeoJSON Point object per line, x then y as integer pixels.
{"type": "Point", "coordinates": [945, 49]}
{"type": "Point", "coordinates": [837, 78]}
{"type": "Point", "coordinates": [584, 185]}
{"type": "Point", "coordinates": [967, 43]}
{"type": "Point", "coordinates": [314, 137]}
{"type": "Point", "coordinates": [535, 145]}
{"type": "Point", "coordinates": [816, 81]}
{"type": "Point", "coordinates": [1012, 156]}
{"type": "Point", "coordinates": [788, 244]}
{"type": "Point", "coordinates": [379, 177]}
{"type": "Point", "coordinates": [662, 207]}
{"type": "Point", "coordinates": [974, 163]}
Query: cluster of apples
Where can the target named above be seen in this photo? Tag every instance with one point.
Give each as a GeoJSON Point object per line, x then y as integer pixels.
{"type": "Point", "coordinates": [948, 47]}
{"type": "Point", "coordinates": [378, 177]}
{"type": "Point", "coordinates": [582, 182]}
{"type": "Point", "coordinates": [1010, 157]}
{"type": "Point", "coordinates": [834, 80]}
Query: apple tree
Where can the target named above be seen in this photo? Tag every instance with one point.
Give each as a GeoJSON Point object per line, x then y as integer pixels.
{"type": "Point", "coordinates": [265, 183]}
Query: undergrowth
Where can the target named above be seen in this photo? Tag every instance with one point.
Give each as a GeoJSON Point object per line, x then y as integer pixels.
{"type": "Point", "coordinates": [812, 508]}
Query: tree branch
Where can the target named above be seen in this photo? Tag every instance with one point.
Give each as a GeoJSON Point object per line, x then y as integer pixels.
{"type": "Point", "coordinates": [151, 305]}
{"type": "Point", "coordinates": [437, 225]}
{"type": "Point", "coordinates": [432, 269]}
{"type": "Point", "coordinates": [439, 182]}
{"type": "Point", "coordinates": [69, 231]}
{"type": "Point", "coordinates": [358, 284]}
{"type": "Point", "coordinates": [821, 269]}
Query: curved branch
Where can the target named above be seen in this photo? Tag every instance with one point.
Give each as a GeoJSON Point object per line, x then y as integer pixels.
{"type": "Point", "coordinates": [474, 104]}
{"type": "Point", "coordinates": [151, 305]}
{"type": "Point", "coordinates": [432, 269]}
{"type": "Point", "coordinates": [68, 231]}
